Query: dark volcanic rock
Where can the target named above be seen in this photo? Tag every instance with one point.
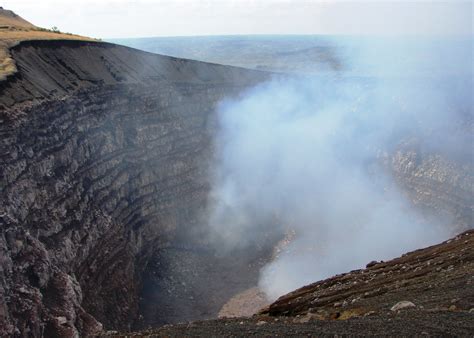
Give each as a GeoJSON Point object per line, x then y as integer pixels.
{"type": "Point", "coordinates": [103, 164]}
{"type": "Point", "coordinates": [181, 285]}
{"type": "Point", "coordinates": [433, 278]}
{"type": "Point", "coordinates": [103, 160]}
{"type": "Point", "coordinates": [438, 280]}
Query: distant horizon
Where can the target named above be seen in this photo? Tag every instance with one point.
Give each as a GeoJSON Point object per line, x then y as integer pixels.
{"type": "Point", "coordinates": [225, 49]}
{"type": "Point", "coordinates": [125, 19]}
{"type": "Point", "coordinates": [409, 36]}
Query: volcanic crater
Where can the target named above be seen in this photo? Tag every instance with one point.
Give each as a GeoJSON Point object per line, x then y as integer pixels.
{"type": "Point", "coordinates": [105, 154]}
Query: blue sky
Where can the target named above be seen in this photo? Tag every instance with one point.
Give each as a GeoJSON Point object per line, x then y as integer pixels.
{"type": "Point", "coordinates": [140, 18]}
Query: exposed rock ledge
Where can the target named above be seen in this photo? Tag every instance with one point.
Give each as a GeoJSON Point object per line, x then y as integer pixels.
{"type": "Point", "coordinates": [102, 161]}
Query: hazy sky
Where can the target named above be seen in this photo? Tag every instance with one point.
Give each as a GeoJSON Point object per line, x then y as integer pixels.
{"type": "Point", "coordinates": [139, 18]}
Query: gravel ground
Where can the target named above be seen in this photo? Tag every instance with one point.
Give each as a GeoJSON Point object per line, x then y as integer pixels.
{"type": "Point", "coordinates": [425, 292]}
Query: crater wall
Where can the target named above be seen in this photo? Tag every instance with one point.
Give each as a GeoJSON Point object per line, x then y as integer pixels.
{"type": "Point", "coordinates": [103, 162]}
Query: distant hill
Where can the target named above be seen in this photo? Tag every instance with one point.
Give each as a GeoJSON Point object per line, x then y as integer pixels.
{"type": "Point", "coordinates": [8, 19]}
{"type": "Point", "coordinates": [294, 54]}
{"type": "Point", "coordinates": [321, 54]}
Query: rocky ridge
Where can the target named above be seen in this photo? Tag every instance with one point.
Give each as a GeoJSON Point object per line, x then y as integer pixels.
{"type": "Point", "coordinates": [425, 292]}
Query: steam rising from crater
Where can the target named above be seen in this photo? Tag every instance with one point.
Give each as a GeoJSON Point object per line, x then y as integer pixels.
{"type": "Point", "coordinates": [312, 155]}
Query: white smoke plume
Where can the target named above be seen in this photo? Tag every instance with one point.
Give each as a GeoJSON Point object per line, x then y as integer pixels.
{"type": "Point", "coordinates": [306, 155]}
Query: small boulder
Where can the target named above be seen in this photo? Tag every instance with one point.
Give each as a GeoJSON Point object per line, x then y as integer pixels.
{"type": "Point", "coordinates": [371, 264]}
{"type": "Point", "coordinates": [404, 304]}
{"type": "Point", "coordinates": [305, 319]}
{"type": "Point", "coordinates": [61, 320]}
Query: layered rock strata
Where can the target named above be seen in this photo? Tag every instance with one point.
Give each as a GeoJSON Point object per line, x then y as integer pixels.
{"type": "Point", "coordinates": [103, 161]}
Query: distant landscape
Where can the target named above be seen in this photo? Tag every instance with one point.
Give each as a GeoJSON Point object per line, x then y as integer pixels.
{"type": "Point", "coordinates": [317, 54]}
{"type": "Point", "coordinates": [298, 54]}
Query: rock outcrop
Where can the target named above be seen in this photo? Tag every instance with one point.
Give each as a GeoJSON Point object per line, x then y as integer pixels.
{"type": "Point", "coordinates": [434, 182]}
{"type": "Point", "coordinates": [103, 161]}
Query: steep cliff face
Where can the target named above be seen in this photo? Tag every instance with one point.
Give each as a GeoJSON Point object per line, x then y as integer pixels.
{"type": "Point", "coordinates": [103, 165]}
{"type": "Point", "coordinates": [441, 185]}
{"type": "Point", "coordinates": [103, 161]}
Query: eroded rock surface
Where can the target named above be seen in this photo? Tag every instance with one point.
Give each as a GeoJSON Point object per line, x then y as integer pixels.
{"type": "Point", "coordinates": [437, 183]}
{"type": "Point", "coordinates": [103, 161]}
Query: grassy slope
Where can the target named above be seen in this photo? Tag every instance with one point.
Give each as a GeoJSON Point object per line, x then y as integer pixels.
{"type": "Point", "coordinates": [13, 30]}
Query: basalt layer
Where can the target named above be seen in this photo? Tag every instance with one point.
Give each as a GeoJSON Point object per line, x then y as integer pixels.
{"type": "Point", "coordinates": [103, 161]}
